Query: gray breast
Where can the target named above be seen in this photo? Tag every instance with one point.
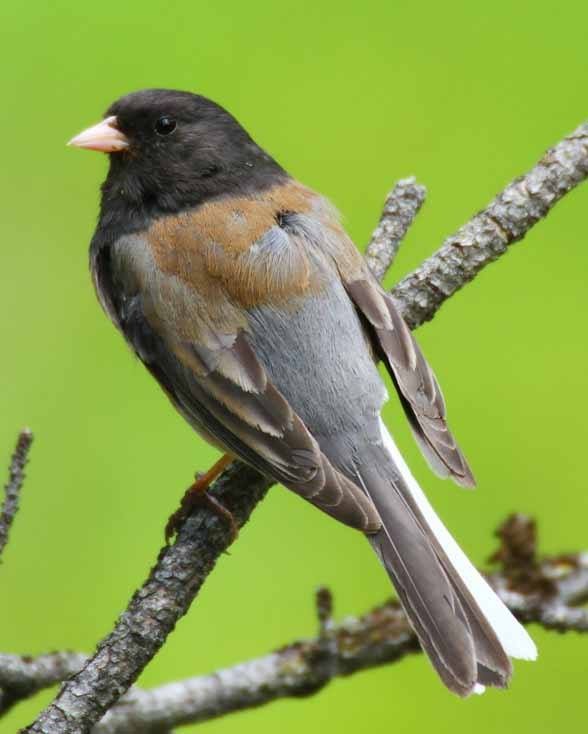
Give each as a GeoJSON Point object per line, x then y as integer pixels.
{"type": "Point", "coordinates": [315, 353]}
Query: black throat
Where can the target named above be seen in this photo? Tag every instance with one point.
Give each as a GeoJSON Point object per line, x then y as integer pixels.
{"type": "Point", "coordinates": [132, 198]}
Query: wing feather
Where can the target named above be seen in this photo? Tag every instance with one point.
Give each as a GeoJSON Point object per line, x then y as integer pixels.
{"type": "Point", "coordinates": [215, 379]}
{"type": "Point", "coordinates": [419, 391]}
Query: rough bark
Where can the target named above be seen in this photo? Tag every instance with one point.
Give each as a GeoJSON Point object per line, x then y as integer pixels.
{"type": "Point", "coordinates": [489, 234]}
{"type": "Point", "coordinates": [400, 208]}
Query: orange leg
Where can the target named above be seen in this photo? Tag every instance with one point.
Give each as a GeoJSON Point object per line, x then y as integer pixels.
{"type": "Point", "coordinates": [197, 493]}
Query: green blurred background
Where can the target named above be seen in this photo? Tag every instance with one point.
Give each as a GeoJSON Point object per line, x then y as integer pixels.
{"type": "Point", "coordinates": [463, 95]}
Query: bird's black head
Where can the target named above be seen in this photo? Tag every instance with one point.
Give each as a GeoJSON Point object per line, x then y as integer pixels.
{"type": "Point", "coordinates": [172, 150]}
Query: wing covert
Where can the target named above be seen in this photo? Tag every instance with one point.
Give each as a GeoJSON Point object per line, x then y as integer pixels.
{"type": "Point", "coordinates": [202, 358]}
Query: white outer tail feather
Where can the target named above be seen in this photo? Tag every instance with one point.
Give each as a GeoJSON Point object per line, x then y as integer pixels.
{"type": "Point", "coordinates": [512, 635]}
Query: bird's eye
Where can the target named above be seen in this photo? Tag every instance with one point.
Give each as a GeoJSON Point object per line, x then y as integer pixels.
{"type": "Point", "coordinates": [165, 125]}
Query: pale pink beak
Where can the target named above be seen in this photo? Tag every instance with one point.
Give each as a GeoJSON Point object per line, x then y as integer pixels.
{"type": "Point", "coordinates": [104, 137]}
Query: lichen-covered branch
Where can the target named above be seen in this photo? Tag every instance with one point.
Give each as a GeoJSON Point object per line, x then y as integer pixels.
{"type": "Point", "coordinates": [486, 237]}
{"type": "Point", "coordinates": [182, 568]}
{"type": "Point", "coordinates": [12, 488]}
{"type": "Point", "coordinates": [21, 676]}
{"type": "Point", "coordinates": [537, 590]}
{"type": "Point", "coordinates": [547, 591]}
{"type": "Point", "coordinates": [154, 609]}
{"type": "Point", "coordinates": [400, 208]}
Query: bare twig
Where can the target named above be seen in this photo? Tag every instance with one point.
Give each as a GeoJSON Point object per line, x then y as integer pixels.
{"type": "Point", "coordinates": [486, 237]}
{"type": "Point", "coordinates": [21, 676]}
{"type": "Point", "coordinates": [546, 592]}
{"type": "Point", "coordinates": [539, 591]}
{"type": "Point", "coordinates": [16, 475]}
{"type": "Point", "coordinates": [400, 208]}
{"type": "Point", "coordinates": [181, 569]}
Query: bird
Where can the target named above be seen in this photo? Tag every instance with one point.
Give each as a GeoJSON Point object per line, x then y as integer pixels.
{"type": "Point", "coordinates": [240, 291]}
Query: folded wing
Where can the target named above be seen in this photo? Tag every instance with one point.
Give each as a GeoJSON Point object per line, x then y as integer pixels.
{"type": "Point", "coordinates": [418, 389]}
{"type": "Point", "coordinates": [212, 375]}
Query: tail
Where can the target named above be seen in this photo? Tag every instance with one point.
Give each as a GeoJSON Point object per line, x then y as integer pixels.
{"type": "Point", "coordinates": [464, 628]}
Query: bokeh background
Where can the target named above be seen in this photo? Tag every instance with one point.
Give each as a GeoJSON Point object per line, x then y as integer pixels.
{"type": "Point", "coordinates": [349, 97]}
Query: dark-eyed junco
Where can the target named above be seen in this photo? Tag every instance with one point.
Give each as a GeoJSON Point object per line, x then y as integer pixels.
{"type": "Point", "coordinates": [240, 291]}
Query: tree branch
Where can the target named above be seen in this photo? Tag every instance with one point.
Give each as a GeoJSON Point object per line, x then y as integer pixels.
{"type": "Point", "coordinates": [182, 568]}
{"type": "Point", "coordinates": [21, 676]}
{"type": "Point", "coordinates": [537, 590]}
{"type": "Point", "coordinates": [400, 208]}
{"type": "Point", "coordinates": [486, 237]}
{"type": "Point", "coordinates": [155, 608]}
{"type": "Point", "coordinates": [16, 475]}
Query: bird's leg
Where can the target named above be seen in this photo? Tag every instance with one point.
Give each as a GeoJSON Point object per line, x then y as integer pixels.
{"type": "Point", "coordinates": [198, 493]}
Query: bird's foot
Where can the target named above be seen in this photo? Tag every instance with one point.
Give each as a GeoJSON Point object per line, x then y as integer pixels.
{"type": "Point", "coordinates": [197, 494]}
